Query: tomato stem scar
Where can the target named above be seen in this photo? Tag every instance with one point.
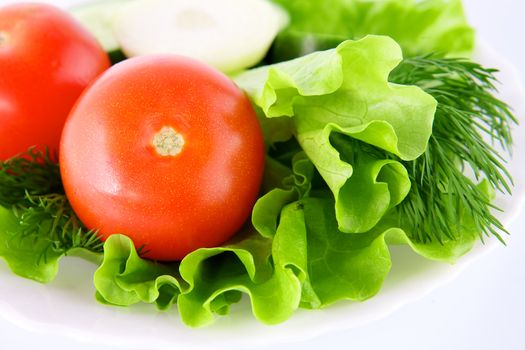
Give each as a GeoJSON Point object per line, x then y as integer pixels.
{"type": "Point", "coordinates": [168, 142]}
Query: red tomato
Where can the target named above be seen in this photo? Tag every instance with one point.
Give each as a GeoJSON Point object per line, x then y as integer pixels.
{"type": "Point", "coordinates": [46, 60]}
{"type": "Point", "coordinates": [165, 150]}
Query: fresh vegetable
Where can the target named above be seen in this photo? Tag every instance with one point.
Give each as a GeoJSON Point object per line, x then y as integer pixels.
{"type": "Point", "coordinates": [381, 129]}
{"type": "Point", "coordinates": [315, 260]}
{"type": "Point", "coordinates": [358, 104]}
{"type": "Point", "coordinates": [98, 18]}
{"type": "Point", "coordinates": [365, 150]}
{"type": "Point", "coordinates": [467, 115]}
{"type": "Point", "coordinates": [165, 150]}
{"type": "Point", "coordinates": [230, 35]}
{"type": "Point", "coordinates": [419, 26]}
{"type": "Point", "coordinates": [46, 60]}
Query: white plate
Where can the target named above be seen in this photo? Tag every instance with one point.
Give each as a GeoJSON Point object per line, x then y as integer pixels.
{"type": "Point", "coordinates": [67, 306]}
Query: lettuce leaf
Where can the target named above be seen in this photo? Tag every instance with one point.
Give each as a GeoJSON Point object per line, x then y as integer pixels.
{"type": "Point", "coordinates": [207, 281]}
{"type": "Point", "coordinates": [420, 27]}
{"type": "Point", "coordinates": [346, 91]}
{"type": "Point", "coordinates": [124, 278]}
{"type": "Point", "coordinates": [25, 255]}
{"type": "Point", "coordinates": [333, 265]}
{"type": "Point", "coordinates": [33, 256]}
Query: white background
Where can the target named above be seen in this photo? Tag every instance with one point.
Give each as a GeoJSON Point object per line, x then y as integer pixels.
{"type": "Point", "coordinates": [483, 309]}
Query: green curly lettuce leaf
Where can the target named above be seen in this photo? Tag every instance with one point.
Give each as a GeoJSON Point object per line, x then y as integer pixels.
{"type": "Point", "coordinates": [206, 283]}
{"type": "Point", "coordinates": [393, 224]}
{"type": "Point", "coordinates": [25, 255]}
{"type": "Point", "coordinates": [241, 267]}
{"type": "Point", "coordinates": [333, 265]}
{"type": "Point", "coordinates": [346, 91]}
{"type": "Point", "coordinates": [420, 27]}
{"type": "Point", "coordinates": [124, 278]}
{"type": "Point", "coordinates": [296, 184]}
{"type": "Point", "coordinates": [34, 256]}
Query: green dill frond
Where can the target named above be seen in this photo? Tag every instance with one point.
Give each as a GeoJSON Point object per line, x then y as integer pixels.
{"type": "Point", "coordinates": [469, 125]}
{"type": "Point", "coordinates": [51, 217]}
{"type": "Point", "coordinates": [33, 173]}
{"type": "Point", "coordinates": [30, 184]}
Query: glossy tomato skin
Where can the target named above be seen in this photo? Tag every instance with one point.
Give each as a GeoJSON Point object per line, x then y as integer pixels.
{"type": "Point", "coordinates": [116, 180]}
{"type": "Point", "coordinates": [46, 60]}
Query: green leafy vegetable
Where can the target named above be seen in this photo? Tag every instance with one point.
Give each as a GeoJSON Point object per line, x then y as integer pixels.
{"type": "Point", "coordinates": [334, 265]}
{"type": "Point", "coordinates": [37, 224]}
{"type": "Point", "coordinates": [125, 279]}
{"type": "Point", "coordinates": [352, 164]}
{"type": "Point", "coordinates": [33, 173]}
{"type": "Point", "coordinates": [420, 27]}
{"type": "Point", "coordinates": [346, 91]}
{"type": "Point", "coordinates": [468, 114]}
{"type": "Point", "coordinates": [207, 282]}
{"type": "Point", "coordinates": [32, 245]}
{"type": "Point", "coordinates": [24, 255]}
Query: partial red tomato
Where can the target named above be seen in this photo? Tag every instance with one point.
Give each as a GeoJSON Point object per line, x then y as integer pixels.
{"type": "Point", "coordinates": [46, 60]}
{"type": "Point", "coordinates": [165, 150]}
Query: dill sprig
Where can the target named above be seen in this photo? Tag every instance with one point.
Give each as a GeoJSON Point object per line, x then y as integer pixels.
{"type": "Point", "coordinates": [470, 123]}
{"type": "Point", "coordinates": [50, 218]}
{"type": "Point", "coordinates": [33, 173]}
{"type": "Point", "coordinates": [31, 186]}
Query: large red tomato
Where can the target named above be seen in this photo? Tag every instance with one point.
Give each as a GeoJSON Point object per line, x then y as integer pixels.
{"type": "Point", "coordinates": [46, 60]}
{"type": "Point", "coordinates": [165, 150]}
